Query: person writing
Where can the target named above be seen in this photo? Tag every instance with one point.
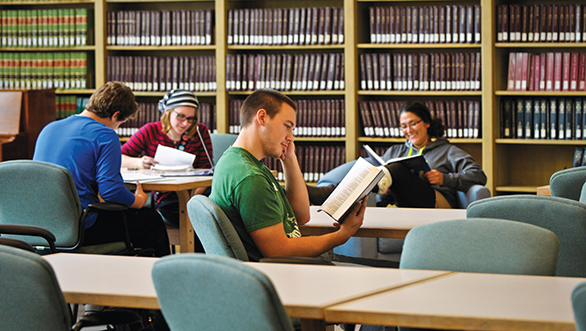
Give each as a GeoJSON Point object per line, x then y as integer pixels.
{"type": "Point", "coordinates": [178, 128]}
{"type": "Point", "coordinates": [87, 145]}
{"type": "Point", "coordinates": [265, 214]}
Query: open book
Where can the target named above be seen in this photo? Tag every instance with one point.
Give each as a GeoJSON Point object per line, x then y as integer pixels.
{"type": "Point", "coordinates": [356, 185]}
{"type": "Point", "coordinates": [416, 163]}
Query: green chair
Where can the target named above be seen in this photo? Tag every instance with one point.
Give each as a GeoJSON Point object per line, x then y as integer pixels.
{"type": "Point", "coordinates": [40, 205]}
{"type": "Point", "coordinates": [221, 142]}
{"type": "Point", "coordinates": [214, 229]}
{"type": "Point", "coordinates": [568, 183]}
{"type": "Point", "coordinates": [565, 217]}
{"type": "Point", "coordinates": [206, 292]}
{"type": "Point", "coordinates": [579, 305]}
{"type": "Point", "coordinates": [481, 245]}
{"type": "Point", "coordinates": [31, 299]}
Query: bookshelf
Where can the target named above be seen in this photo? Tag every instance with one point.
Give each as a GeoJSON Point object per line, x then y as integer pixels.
{"type": "Point", "coordinates": [512, 165]}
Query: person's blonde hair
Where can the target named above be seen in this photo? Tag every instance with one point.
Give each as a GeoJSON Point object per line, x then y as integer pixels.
{"type": "Point", "coordinates": [166, 124]}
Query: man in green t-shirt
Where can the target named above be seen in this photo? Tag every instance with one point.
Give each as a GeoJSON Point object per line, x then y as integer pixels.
{"type": "Point", "coordinates": [266, 215]}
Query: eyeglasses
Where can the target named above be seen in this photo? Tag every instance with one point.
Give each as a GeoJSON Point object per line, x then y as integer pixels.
{"type": "Point", "coordinates": [184, 118]}
{"type": "Point", "coordinates": [412, 125]}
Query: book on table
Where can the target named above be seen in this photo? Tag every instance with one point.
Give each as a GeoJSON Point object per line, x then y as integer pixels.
{"type": "Point", "coordinates": [355, 186]}
{"type": "Point", "coordinates": [416, 163]}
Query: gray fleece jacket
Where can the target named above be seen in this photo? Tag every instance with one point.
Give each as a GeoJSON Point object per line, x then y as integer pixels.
{"type": "Point", "coordinates": [458, 167]}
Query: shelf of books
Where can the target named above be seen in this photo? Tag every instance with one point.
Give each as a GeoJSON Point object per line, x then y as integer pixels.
{"type": "Point", "coordinates": [298, 48]}
{"type": "Point", "coordinates": [540, 92]}
{"type": "Point", "coordinates": [49, 45]}
{"type": "Point", "coordinates": [155, 46]}
{"type": "Point", "coordinates": [419, 51]}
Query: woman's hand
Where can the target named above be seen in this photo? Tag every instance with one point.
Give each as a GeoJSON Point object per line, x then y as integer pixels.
{"type": "Point", "coordinates": [434, 177]}
{"type": "Point", "coordinates": [146, 162]}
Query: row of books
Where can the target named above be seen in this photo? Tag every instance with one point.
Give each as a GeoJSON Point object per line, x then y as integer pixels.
{"type": "Point", "coordinates": [154, 73]}
{"type": "Point", "coordinates": [425, 24]}
{"type": "Point", "coordinates": [420, 71]}
{"type": "Point", "coordinates": [149, 112]}
{"type": "Point", "coordinates": [551, 71]}
{"type": "Point", "coordinates": [315, 118]}
{"type": "Point", "coordinates": [462, 118]}
{"type": "Point", "coordinates": [543, 118]}
{"type": "Point", "coordinates": [579, 157]}
{"type": "Point", "coordinates": [285, 72]}
{"type": "Point", "coordinates": [286, 26]}
{"type": "Point", "coordinates": [160, 27]}
{"type": "Point", "coordinates": [43, 70]}
{"type": "Point", "coordinates": [62, 27]}
{"type": "Point", "coordinates": [314, 161]}
{"type": "Point", "coordinates": [541, 23]}
{"type": "Point", "coordinates": [67, 105]}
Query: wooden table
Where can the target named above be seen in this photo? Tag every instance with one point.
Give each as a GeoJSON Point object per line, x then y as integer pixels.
{"type": "Point", "coordinates": [183, 186]}
{"type": "Point", "coordinates": [383, 222]}
{"type": "Point", "coordinates": [305, 290]}
{"type": "Point", "coordinates": [467, 301]}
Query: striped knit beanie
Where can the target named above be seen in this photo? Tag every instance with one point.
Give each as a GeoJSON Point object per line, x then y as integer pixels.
{"type": "Point", "coordinates": [177, 98]}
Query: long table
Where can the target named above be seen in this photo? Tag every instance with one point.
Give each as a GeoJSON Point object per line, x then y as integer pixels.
{"type": "Point", "coordinates": [305, 290]}
{"type": "Point", "coordinates": [383, 222]}
{"type": "Point", "coordinates": [469, 301]}
{"type": "Point", "coordinates": [183, 186]}
{"type": "Point", "coordinates": [320, 294]}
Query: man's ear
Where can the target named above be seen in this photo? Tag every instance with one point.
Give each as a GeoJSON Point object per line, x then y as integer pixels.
{"type": "Point", "coordinates": [114, 117]}
{"type": "Point", "coordinates": [261, 116]}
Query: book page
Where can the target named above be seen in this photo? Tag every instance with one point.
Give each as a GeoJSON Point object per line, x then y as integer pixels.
{"type": "Point", "coordinates": [352, 188]}
{"type": "Point", "coordinates": [376, 158]}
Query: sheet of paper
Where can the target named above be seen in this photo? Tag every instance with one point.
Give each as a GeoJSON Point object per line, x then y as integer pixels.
{"type": "Point", "coordinates": [167, 156]}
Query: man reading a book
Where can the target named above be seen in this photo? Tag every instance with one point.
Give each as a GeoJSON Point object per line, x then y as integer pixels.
{"type": "Point", "coordinates": [265, 214]}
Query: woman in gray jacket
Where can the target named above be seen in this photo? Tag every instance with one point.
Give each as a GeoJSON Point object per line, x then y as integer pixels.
{"type": "Point", "coordinates": [452, 169]}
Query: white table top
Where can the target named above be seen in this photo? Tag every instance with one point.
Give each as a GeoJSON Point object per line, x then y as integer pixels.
{"type": "Point", "coordinates": [384, 222]}
{"type": "Point", "coordinates": [305, 290]}
{"type": "Point", "coordinates": [468, 301]}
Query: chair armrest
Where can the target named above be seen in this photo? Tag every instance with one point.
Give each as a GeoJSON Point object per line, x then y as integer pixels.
{"type": "Point", "coordinates": [17, 243]}
{"type": "Point", "coordinates": [109, 206]}
{"type": "Point", "coordinates": [29, 230]}
{"type": "Point", "coordinates": [475, 192]}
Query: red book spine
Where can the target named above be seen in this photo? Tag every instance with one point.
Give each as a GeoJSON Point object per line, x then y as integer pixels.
{"type": "Point", "coordinates": [557, 74]}
{"type": "Point", "coordinates": [566, 71]}
{"type": "Point", "coordinates": [582, 73]}
{"type": "Point", "coordinates": [575, 59]}
{"type": "Point", "coordinates": [549, 75]}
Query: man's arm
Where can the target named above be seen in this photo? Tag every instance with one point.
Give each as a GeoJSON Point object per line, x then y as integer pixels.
{"type": "Point", "coordinates": [295, 188]}
{"type": "Point", "coordinates": [273, 242]}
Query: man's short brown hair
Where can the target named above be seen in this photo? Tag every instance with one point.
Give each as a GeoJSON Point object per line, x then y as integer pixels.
{"type": "Point", "coordinates": [267, 99]}
{"type": "Point", "coordinates": [113, 97]}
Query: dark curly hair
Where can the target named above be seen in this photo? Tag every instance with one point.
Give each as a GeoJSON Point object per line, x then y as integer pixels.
{"type": "Point", "coordinates": [436, 128]}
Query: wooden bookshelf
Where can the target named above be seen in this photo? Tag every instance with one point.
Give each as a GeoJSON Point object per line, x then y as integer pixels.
{"type": "Point", "coordinates": [512, 165]}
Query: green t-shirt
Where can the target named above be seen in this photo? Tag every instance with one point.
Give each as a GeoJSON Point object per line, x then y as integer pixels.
{"type": "Point", "coordinates": [251, 197]}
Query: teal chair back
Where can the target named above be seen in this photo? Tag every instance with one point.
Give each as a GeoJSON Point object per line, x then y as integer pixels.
{"type": "Point", "coordinates": [568, 183]}
{"type": "Point", "coordinates": [579, 305]}
{"type": "Point", "coordinates": [481, 245]}
{"type": "Point", "coordinates": [30, 296]}
{"type": "Point", "coordinates": [565, 217]}
{"type": "Point", "coordinates": [221, 142]}
{"type": "Point", "coordinates": [214, 229]}
{"type": "Point", "coordinates": [206, 292]}
{"type": "Point", "coordinates": [44, 195]}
